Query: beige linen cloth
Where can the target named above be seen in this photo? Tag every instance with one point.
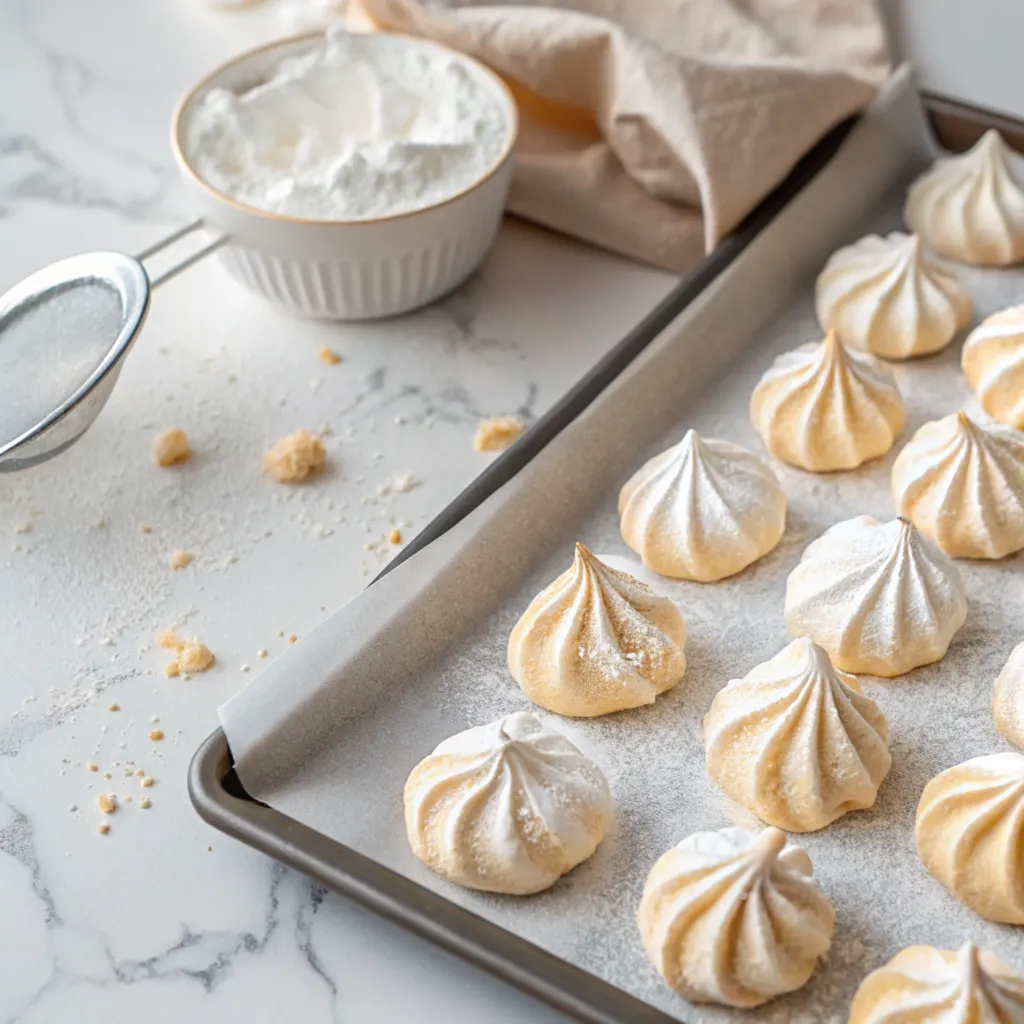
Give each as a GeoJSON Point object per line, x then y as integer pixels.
{"type": "Point", "coordinates": [651, 127]}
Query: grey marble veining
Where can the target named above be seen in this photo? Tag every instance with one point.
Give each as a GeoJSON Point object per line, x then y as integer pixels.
{"type": "Point", "coordinates": [163, 918]}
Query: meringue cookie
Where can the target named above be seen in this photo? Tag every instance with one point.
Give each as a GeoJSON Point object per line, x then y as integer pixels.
{"type": "Point", "coordinates": [822, 407]}
{"type": "Point", "coordinates": [879, 598]}
{"type": "Point", "coordinates": [993, 362]}
{"type": "Point", "coordinates": [702, 510]}
{"type": "Point", "coordinates": [883, 295]}
{"type": "Point", "coordinates": [970, 834]}
{"type": "Point", "coordinates": [970, 207]}
{"type": "Point", "coordinates": [734, 917]}
{"type": "Point", "coordinates": [924, 985]}
{"type": "Point", "coordinates": [596, 641]}
{"type": "Point", "coordinates": [796, 742]}
{"type": "Point", "coordinates": [1008, 698]}
{"type": "Point", "coordinates": [963, 485]}
{"type": "Point", "coordinates": [506, 807]}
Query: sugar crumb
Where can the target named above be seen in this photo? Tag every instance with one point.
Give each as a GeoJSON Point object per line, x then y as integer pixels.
{"type": "Point", "coordinates": [179, 558]}
{"type": "Point", "coordinates": [171, 447]}
{"type": "Point", "coordinates": [329, 357]}
{"type": "Point", "coordinates": [103, 829]}
{"type": "Point", "coordinates": [294, 458]}
{"type": "Point", "coordinates": [495, 435]}
{"type": "Point", "coordinates": [107, 802]}
{"type": "Point", "coordinates": [156, 735]}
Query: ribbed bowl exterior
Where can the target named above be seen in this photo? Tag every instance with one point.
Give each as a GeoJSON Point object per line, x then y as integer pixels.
{"type": "Point", "coordinates": [351, 270]}
{"type": "Point", "coordinates": [365, 289]}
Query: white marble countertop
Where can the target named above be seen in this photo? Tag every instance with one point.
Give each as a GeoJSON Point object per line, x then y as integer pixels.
{"type": "Point", "coordinates": [164, 919]}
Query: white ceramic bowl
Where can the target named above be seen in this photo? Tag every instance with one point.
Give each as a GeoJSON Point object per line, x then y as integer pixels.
{"type": "Point", "coordinates": [350, 270]}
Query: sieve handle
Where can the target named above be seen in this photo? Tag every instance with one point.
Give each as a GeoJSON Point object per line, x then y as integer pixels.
{"type": "Point", "coordinates": [186, 261]}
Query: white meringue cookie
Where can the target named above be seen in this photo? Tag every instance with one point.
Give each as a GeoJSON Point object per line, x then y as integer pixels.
{"type": "Point", "coordinates": [962, 484]}
{"type": "Point", "coordinates": [879, 598]}
{"type": "Point", "coordinates": [702, 510]}
{"type": "Point", "coordinates": [970, 834]}
{"type": "Point", "coordinates": [734, 917]}
{"type": "Point", "coordinates": [796, 742]}
{"type": "Point", "coordinates": [970, 207]}
{"type": "Point", "coordinates": [1008, 698]}
{"type": "Point", "coordinates": [596, 641]}
{"type": "Point", "coordinates": [883, 295]}
{"type": "Point", "coordinates": [924, 985]}
{"type": "Point", "coordinates": [822, 407]}
{"type": "Point", "coordinates": [993, 362]}
{"type": "Point", "coordinates": [507, 807]}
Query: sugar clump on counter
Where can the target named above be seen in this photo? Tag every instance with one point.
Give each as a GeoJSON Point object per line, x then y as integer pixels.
{"type": "Point", "coordinates": [171, 447]}
{"type": "Point", "coordinates": [356, 127]}
{"type": "Point", "coordinates": [294, 458]}
{"type": "Point", "coordinates": [179, 558]}
{"type": "Point", "coordinates": [329, 357]}
{"type": "Point", "coordinates": [495, 435]}
{"type": "Point", "coordinates": [189, 655]}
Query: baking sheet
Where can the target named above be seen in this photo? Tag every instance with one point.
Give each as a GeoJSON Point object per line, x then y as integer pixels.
{"type": "Point", "coordinates": [328, 735]}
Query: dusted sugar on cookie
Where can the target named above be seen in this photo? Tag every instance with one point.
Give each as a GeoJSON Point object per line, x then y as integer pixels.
{"type": "Point", "coordinates": [596, 641]}
{"type": "Point", "coordinates": [796, 741]}
{"type": "Point", "coordinates": [970, 207]}
{"type": "Point", "coordinates": [962, 484]}
{"type": "Point", "coordinates": [885, 296]}
{"type": "Point", "coordinates": [703, 510]}
{"type": "Point", "coordinates": [507, 807]}
{"type": "Point", "coordinates": [969, 834]}
{"type": "Point", "coordinates": [735, 917]}
{"type": "Point", "coordinates": [993, 363]}
{"type": "Point", "coordinates": [1008, 698]}
{"type": "Point", "coordinates": [879, 597]}
{"type": "Point", "coordinates": [822, 407]}
{"type": "Point", "coordinates": [924, 985]}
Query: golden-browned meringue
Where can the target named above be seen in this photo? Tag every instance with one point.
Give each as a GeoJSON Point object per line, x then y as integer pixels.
{"type": "Point", "coordinates": [507, 807]}
{"type": "Point", "coordinates": [962, 483]}
{"type": "Point", "coordinates": [796, 741]}
{"type": "Point", "coordinates": [597, 640]}
{"type": "Point", "coordinates": [924, 985]}
{"type": "Point", "coordinates": [970, 834]}
{"type": "Point", "coordinates": [703, 510]}
{"type": "Point", "coordinates": [970, 207]}
{"type": "Point", "coordinates": [734, 917]}
{"type": "Point", "coordinates": [822, 407]}
{"type": "Point", "coordinates": [993, 362]}
{"type": "Point", "coordinates": [883, 295]}
{"type": "Point", "coordinates": [880, 598]}
{"type": "Point", "coordinates": [1008, 698]}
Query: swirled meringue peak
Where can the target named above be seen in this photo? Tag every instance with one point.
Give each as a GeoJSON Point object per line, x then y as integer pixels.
{"type": "Point", "coordinates": [507, 807]}
{"type": "Point", "coordinates": [734, 917]}
{"type": "Point", "coordinates": [796, 741]}
{"type": "Point", "coordinates": [880, 598]}
{"type": "Point", "coordinates": [703, 510]}
{"type": "Point", "coordinates": [993, 362]}
{"type": "Point", "coordinates": [962, 484]}
{"type": "Point", "coordinates": [970, 834]}
{"type": "Point", "coordinates": [822, 407]}
{"type": "Point", "coordinates": [1008, 698]}
{"type": "Point", "coordinates": [884, 295]}
{"type": "Point", "coordinates": [596, 641]}
{"type": "Point", "coordinates": [970, 207]}
{"type": "Point", "coordinates": [924, 985]}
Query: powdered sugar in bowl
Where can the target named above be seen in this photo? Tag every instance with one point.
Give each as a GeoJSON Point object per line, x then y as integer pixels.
{"type": "Point", "coordinates": [356, 176]}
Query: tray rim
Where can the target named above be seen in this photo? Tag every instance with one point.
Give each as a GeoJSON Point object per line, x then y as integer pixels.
{"type": "Point", "coordinates": [220, 800]}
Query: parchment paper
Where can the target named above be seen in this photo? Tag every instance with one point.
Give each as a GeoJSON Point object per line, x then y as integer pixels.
{"type": "Point", "coordinates": [329, 733]}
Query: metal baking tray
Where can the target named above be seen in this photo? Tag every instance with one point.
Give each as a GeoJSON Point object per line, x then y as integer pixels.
{"type": "Point", "coordinates": [221, 800]}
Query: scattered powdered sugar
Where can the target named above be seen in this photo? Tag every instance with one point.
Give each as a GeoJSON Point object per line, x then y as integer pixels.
{"type": "Point", "coordinates": [654, 757]}
{"type": "Point", "coordinates": [360, 126]}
